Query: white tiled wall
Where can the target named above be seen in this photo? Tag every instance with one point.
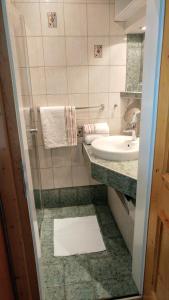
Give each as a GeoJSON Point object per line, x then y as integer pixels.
{"type": "Point", "coordinates": [63, 70]}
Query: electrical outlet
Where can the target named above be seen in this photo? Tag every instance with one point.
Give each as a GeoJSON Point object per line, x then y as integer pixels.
{"type": "Point", "coordinates": [98, 51]}
{"type": "Point", "coordinates": [52, 19]}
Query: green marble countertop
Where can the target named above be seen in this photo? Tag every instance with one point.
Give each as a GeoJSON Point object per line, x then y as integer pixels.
{"type": "Point", "coordinates": [120, 175]}
{"type": "Point", "coordinates": [126, 168]}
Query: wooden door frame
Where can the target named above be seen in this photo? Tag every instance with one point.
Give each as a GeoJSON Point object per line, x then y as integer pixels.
{"type": "Point", "coordinates": [161, 157]}
{"type": "Point", "coordinates": [149, 104]}
{"type": "Point", "coordinates": [12, 184]}
{"type": "Point", "coordinates": [7, 286]}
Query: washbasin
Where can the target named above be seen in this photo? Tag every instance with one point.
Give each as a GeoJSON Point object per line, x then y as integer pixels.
{"type": "Point", "coordinates": [116, 147]}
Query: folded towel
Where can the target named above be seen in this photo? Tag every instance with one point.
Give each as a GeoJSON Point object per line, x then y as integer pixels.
{"type": "Point", "coordinates": [89, 138]}
{"type": "Point", "coordinates": [58, 126]}
{"type": "Point", "coordinates": [97, 128]}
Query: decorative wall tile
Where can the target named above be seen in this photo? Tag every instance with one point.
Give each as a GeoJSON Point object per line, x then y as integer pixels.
{"type": "Point", "coordinates": [58, 9]}
{"type": "Point", "coordinates": [93, 42]}
{"type": "Point", "coordinates": [52, 19]}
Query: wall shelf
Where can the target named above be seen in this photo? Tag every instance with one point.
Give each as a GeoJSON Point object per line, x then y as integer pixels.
{"type": "Point", "coordinates": [125, 9]}
{"type": "Point", "coordinates": [133, 95]}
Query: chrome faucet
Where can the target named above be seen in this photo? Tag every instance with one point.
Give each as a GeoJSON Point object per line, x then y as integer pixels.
{"type": "Point", "coordinates": [132, 126]}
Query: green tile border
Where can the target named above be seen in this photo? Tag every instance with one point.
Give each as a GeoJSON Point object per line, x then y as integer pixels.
{"type": "Point", "coordinates": [71, 196]}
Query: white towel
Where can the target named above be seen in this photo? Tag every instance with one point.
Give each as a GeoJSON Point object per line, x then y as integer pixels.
{"type": "Point", "coordinates": [58, 126]}
{"type": "Point", "coordinates": [89, 138]}
{"type": "Point", "coordinates": [97, 128]}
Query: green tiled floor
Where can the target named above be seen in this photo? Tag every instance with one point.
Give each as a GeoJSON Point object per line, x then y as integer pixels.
{"type": "Point", "coordinates": [102, 275]}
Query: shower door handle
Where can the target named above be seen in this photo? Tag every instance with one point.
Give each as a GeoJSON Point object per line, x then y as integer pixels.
{"type": "Point", "coordinates": [33, 130]}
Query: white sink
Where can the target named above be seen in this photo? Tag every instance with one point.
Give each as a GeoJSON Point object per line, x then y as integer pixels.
{"type": "Point", "coordinates": [116, 147]}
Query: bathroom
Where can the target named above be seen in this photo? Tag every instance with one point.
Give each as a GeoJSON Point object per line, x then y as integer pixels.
{"type": "Point", "coordinates": [85, 56]}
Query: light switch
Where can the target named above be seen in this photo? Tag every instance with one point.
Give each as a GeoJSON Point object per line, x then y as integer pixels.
{"type": "Point", "coordinates": [52, 19]}
{"type": "Point", "coordinates": [98, 51]}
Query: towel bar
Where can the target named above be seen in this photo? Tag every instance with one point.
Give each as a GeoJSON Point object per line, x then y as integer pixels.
{"type": "Point", "coordinates": [101, 107]}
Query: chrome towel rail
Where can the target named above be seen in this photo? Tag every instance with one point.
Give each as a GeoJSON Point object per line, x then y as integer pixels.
{"type": "Point", "coordinates": [100, 107]}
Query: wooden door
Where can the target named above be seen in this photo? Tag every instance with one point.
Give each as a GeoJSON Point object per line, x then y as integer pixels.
{"type": "Point", "coordinates": [156, 282]}
{"type": "Point", "coordinates": [6, 290]}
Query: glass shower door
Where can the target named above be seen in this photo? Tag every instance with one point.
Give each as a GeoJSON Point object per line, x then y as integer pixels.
{"type": "Point", "coordinates": [32, 132]}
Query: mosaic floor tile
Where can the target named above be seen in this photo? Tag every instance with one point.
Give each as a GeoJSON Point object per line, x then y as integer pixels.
{"type": "Point", "coordinates": [55, 293]}
{"type": "Point", "coordinates": [80, 291]}
{"type": "Point", "coordinates": [110, 230]}
{"type": "Point", "coordinates": [100, 275]}
{"type": "Point", "coordinates": [53, 274]}
{"type": "Point", "coordinates": [68, 212]}
{"type": "Point", "coordinates": [99, 195]}
{"type": "Point", "coordinates": [48, 255]}
{"type": "Point", "coordinates": [103, 268]}
{"type": "Point", "coordinates": [104, 215]}
{"type": "Point", "coordinates": [116, 246]}
{"type": "Point", "coordinates": [76, 269]}
{"type": "Point", "coordinates": [112, 288]}
{"type": "Point", "coordinates": [47, 232]}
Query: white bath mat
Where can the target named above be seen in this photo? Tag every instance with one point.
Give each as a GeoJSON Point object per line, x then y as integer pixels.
{"type": "Point", "coordinates": [77, 236]}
